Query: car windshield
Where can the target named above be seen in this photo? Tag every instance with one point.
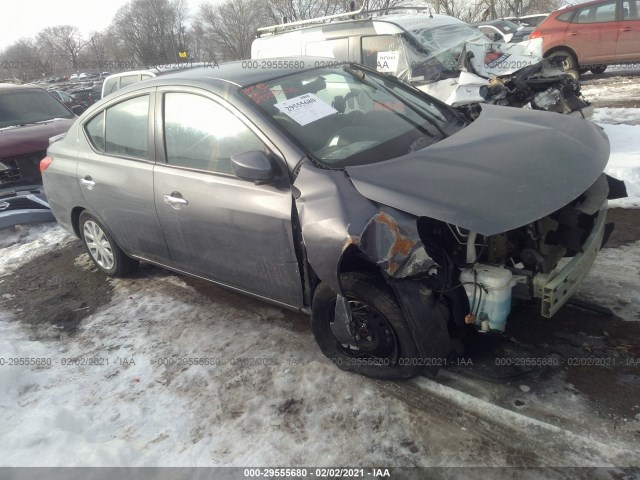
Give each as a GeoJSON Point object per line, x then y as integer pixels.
{"type": "Point", "coordinates": [434, 51]}
{"type": "Point", "coordinates": [351, 115]}
{"type": "Point", "coordinates": [436, 40]}
{"type": "Point", "coordinates": [22, 107]}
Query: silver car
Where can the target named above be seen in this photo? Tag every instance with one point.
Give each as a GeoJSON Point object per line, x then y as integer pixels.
{"type": "Point", "coordinates": [337, 191]}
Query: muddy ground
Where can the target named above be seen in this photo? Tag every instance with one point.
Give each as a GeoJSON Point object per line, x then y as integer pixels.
{"type": "Point", "coordinates": [625, 82]}
{"type": "Point", "coordinates": [592, 355]}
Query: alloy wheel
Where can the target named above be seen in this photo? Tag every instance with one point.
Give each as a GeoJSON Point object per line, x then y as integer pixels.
{"type": "Point", "coordinates": [98, 244]}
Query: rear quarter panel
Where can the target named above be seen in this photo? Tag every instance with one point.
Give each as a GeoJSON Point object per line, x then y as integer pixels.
{"type": "Point", "coordinates": [60, 179]}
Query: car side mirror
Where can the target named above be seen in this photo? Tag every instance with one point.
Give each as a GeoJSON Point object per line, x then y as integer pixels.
{"type": "Point", "coordinates": [254, 166]}
{"type": "Point", "coordinates": [78, 109]}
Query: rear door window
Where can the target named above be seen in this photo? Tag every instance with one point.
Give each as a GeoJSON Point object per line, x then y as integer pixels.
{"type": "Point", "coordinates": [630, 10]}
{"type": "Point", "coordinates": [95, 131]}
{"type": "Point", "coordinates": [565, 17]}
{"type": "Point", "coordinates": [126, 128]}
{"type": "Point", "coordinates": [604, 12]}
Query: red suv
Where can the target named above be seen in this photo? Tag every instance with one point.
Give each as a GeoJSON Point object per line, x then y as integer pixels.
{"type": "Point", "coordinates": [592, 35]}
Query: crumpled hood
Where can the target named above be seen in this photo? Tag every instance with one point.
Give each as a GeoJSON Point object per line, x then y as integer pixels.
{"type": "Point", "coordinates": [508, 168]}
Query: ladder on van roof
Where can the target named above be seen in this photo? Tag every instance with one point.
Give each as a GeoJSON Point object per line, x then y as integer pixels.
{"type": "Point", "coordinates": [351, 15]}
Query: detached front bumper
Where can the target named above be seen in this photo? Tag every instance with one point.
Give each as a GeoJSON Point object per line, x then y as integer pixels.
{"type": "Point", "coordinates": [24, 205]}
{"type": "Point", "coordinates": [556, 288]}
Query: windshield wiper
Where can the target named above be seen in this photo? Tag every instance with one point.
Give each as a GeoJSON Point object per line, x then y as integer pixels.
{"type": "Point", "coordinates": [360, 76]}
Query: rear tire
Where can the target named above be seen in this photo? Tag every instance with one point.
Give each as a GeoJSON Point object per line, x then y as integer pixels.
{"type": "Point", "coordinates": [570, 63]}
{"type": "Point", "coordinates": [102, 249]}
{"type": "Point", "coordinates": [598, 70]}
{"type": "Point", "coordinates": [386, 349]}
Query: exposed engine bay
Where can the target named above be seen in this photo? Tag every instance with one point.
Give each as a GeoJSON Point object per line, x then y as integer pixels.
{"type": "Point", "coordinates": [518, 264]}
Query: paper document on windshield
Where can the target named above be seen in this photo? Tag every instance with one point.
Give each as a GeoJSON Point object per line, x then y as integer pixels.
{"type": "Point", "coordinates": [306, 108]}
{"type": "Point", "coordinates": [388, 62]}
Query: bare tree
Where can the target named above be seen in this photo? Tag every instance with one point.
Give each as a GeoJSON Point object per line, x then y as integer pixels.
{"type": "Point", "coordinates": [152, 30]}
{"type": "Point", "coordinates": [277, 11]}
{"type": "Point", "coordinates": [106, 52]}
{"type": "Point", "coordinates": [21, 60]}
{"type": "Point", "coordinates": [229, 28]}
{"type": "Point", "coordinates": [506, 8]}
{"type": "Point", "coordinates": [63, 42]}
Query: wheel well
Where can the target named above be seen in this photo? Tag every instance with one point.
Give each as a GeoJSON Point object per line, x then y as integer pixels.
{"type": "Point", "coordinates": [75, 219]}
{"type": "Point", "coordinates": [553, 50]}
{"type": "Point", "coordinates": [353, 260]}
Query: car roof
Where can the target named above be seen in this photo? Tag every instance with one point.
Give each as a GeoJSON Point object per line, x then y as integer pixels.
{"type": "Point", "coordinates": [6, 87]}
{"type": "Point", "coordinates": [409, 21]}
{"type": "Point", "coordinates": [242, 72]}
{"type": "Point", "coordinates": [401, 20]}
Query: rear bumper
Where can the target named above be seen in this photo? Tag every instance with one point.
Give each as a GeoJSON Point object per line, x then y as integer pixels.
{"type": "Point", "coordinates": [556, 288]}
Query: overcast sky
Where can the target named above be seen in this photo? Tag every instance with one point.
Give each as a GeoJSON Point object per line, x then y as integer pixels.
{"type": "Point", "coordinates": [25, 18]}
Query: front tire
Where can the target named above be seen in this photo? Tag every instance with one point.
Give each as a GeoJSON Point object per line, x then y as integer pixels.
{"type": "Point", "coordinates": [103, 251]}
{"type": "Point", "coordinates": [384, 347]}
{"type": "Point", "coordinates": [598, 70]}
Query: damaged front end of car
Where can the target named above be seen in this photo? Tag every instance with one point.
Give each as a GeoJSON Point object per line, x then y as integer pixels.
{"type": "Point", "coordinates": [460, 230]}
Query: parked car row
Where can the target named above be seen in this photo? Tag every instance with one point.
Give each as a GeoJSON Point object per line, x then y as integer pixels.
{"type": "Point", "coordinates": [69, 100]}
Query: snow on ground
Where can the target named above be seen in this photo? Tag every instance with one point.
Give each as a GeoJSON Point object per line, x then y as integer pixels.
{"type": "Point", "coordinates": [614, 281]}
{"type": "Point", "coordinates": [266, 397]}
{"type": "Point", "coordinates": [616, 116]}
{"type": "Point", "coordinates": [622, 125]}
{"type": "Point", "coordinates": [23, 243]}
{"type": "Point", "coordinates": [605, 90]}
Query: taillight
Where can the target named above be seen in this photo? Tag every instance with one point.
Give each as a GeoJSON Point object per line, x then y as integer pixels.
{"type": "Point", "coordinates": [44, 163]}
{"type": "Point", "coordinates": [535, 34]}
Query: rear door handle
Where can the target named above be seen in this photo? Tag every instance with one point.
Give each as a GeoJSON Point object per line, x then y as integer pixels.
{"type": "Point", "coordinates": [175, 200]}
{"type": "Point", "coordinates": [625, 29]}
{"type": "Point", "coordinates": [574, 34]}
{"type": "Point", "coordinates": [88, 182]}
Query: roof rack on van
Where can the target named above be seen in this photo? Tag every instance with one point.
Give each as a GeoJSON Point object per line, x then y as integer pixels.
{"type": "Point", "coordinates": [328, 18]}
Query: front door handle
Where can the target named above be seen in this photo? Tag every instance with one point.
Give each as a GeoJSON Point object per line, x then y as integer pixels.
{"type": "Point", "coordinates": [175, 200]}
{"type": "Point", "coordinates": [88, 182]}
{"type": "Point", "coordinates": [574, 34]}
{"type": "Point", "coordinates": [625, 29]}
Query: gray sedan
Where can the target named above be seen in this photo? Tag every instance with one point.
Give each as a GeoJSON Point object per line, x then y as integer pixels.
{"type": "Point", "coordinates": [398, 224]}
